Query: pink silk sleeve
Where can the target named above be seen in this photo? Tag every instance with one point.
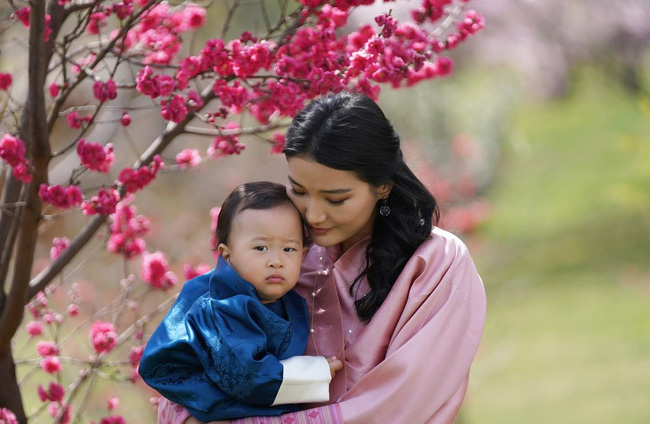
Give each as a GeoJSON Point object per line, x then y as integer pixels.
{"type": "Point", "coordinates": [423, 376]}
{"type": "Point", "coordinates": [328, 414]}
{"type": "Point", "coordinates": [171, 413]}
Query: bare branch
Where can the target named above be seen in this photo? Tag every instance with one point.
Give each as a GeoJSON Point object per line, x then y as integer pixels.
{"type": "Point", "coordinates": [240, 131]}
{"type": "Point", "coordinates": [265, 15]}
{"type": "Point", "coordinates": [450, 19]}
{"type": "Point", "coordinates": [231, 14]}
{"type": "Point", "coordinates": [8, 228]}
{"type": "Point", "coordinates": [54, 111]}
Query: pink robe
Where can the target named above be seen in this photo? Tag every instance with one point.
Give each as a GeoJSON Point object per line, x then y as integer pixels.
{"type": "Point", "coordinates": [411, 363]}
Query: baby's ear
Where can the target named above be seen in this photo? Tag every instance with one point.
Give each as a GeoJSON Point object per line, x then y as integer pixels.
{"type": "Point", "coordinates": [224, 252]}
{"type": "Point", "coordinates": [304, 251]}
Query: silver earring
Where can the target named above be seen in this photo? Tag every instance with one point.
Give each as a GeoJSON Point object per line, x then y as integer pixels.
{"type": "Point", "coordinates": [384, 210]}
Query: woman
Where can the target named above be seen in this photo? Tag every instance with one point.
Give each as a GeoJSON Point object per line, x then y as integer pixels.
{"type": "Point", "coordinates": [397, 299]}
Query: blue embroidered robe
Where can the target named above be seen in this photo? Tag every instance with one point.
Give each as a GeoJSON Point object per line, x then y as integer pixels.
{"type": "Point", "coordinates": [217, 351]}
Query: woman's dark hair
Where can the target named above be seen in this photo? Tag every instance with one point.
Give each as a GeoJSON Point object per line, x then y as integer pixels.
{"type": "Point", "coordinates": [349, 132]}
{"type": "Point", "coordinates": [256, 195]}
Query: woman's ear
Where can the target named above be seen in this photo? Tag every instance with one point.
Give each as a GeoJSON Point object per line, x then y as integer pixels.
{"type": "Point", "coordinates": [384, 190]}
{"type": "Point", "coordinates": [224, 252]}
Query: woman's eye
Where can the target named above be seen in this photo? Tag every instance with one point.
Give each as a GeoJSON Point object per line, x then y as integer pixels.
{"type": "Point", "coordinates": [261, 248]}
{"type": "Point", "coordinates": [336, 202]}
{"type": "Point", "coordinates": [297, 193]}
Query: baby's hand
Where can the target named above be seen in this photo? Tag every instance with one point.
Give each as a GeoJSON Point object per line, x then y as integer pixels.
{"type": "Point", "coordinates": [335, 365]}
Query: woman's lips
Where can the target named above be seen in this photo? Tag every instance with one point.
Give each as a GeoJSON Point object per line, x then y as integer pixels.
{"type": "Point", "coordinates": [319, 231]}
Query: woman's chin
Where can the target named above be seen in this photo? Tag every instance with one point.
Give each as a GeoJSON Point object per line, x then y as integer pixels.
{"type": "Point", "coordinates": [325, 240]}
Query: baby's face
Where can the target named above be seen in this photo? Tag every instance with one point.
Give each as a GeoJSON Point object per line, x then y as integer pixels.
{"type": "Point", "coordinates": [265, 248]}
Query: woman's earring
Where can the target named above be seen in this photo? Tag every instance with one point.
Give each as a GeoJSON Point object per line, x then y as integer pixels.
{"type": "Point", "coordinates": [384, 210]}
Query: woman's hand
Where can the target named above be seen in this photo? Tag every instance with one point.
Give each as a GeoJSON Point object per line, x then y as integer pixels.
{"type": "Point", "coordinates": [335, 365]}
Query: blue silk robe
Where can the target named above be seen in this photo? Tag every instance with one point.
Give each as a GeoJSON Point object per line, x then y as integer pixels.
{"type": "Point", "coordinates": [218, 349]}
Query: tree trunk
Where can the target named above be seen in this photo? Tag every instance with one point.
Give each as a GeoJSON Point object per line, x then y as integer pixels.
{"type": "Point", "coordinates": [9, 391]}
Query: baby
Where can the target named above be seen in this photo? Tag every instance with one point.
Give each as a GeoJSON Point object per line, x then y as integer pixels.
{"type": "Point", "coordinates": [232, 345]}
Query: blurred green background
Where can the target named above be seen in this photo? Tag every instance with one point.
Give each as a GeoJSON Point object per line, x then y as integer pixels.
{"type": "Point", "coordinates": [565, 260]}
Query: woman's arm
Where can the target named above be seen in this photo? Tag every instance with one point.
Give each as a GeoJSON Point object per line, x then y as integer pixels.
{"type": "Point", "coordinates": [424, 373]}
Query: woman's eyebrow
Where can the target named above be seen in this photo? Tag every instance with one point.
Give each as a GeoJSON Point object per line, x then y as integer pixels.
{"type": "Point", "coordinates": [336, 191]}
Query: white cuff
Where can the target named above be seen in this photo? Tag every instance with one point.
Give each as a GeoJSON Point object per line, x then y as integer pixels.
{"type": "Point", "coordinates": [304, 379]}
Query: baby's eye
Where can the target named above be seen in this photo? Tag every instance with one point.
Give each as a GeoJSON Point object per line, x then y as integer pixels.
{"type": "Point", "coordinates": [289, 249]}
{"type": "Point", "coordinates": [261, 248]}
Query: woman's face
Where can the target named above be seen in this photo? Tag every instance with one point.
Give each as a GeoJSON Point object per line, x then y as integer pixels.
{"type": "Point", "coordinates": [337, 206]}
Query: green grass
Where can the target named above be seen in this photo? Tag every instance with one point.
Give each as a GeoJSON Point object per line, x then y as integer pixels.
{"type": "Point", "coordinates": [566, 262]}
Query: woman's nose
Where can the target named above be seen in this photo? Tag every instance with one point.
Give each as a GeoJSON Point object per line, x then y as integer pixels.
{"type": "Point", "coordinates": [314, 213]}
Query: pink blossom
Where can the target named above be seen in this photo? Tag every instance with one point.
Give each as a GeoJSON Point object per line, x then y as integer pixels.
{"type": "Point", "coordinates": [12, 151]}
{"type": "Point", "coordinates": [48, 30]}
{"type": "Point", "coordinates": [34, 328]}
{"type": "Point", "coordinates": [76, 68]}
{"type": "Point", "coordinates": [51, 364]}
{"type": "Point", "coordinates": [191, 272]}
{"type": "Point", "coordinates": [232, 96]}
{"type": "Point", "coordinates": [174, 109]}
{"type": "Point", "coordinates": [137, 179]}
{"type": "Point", "coordinates": [114, 419]}
{"type": "Point", "coordinates": [112, 402]}
{"type": "Point", "coordinates": [51, 317]}
{"type": "Point", "coordinates": [190, 67]}
{"type": "Point", "coordinates": [443, 65]}
{"type": "Point", "coordinates": [75, 120]}
{"type": "Point", "coordinates": [227, 144]}
{"type": "Point", "coordinates": [42, 394]}
{"type": "Point", "coordinates": [45, 348]}
{"type": "Point", "coordinates": [105, 90]}
{"type": "Point", "coordinates": [103, 336]}
{"type": "Point", "coordinates": [166, 84]}
{"type": "Point", "coordinates": [7, 417]}
{"type": "Point", "coordinates": [194, 16]}
{"type": "Point", "coordinates": [129, 247]}
{"type": "Point", "coordinates": [278, 143]}
{"type": "Point", "coordinates": [23, 15]}
{"type": "Point", "coordinates": [188, 158]}
{"type": "Point", "coordinates": [59, 196]}
{"type": "Point", "coordinates": [59, 244]}
{"type": "Point", "coordinates": [103, 204]}
{"type": "Point", "coordinates": [126, 119]}
{"type": "Point", "coordinates": [73, 309]}
{"type": "Point", "coordinates": [136, 355]}
{"type": "Point", "coordinates": [54, 394]}
{"type": "Point", "coordinates": [55, 409]}
{"type": "Point", "coordinates": [97, 21]}
{"type": "Point", "coordinates": [123, 9]}
{"type": "Point", "coordinates": [5, 81]}
{"type": "Point", "coordinates": [94, 156]}
{"type": "Point", "coordinates": [471, 24]}
{"type": "Point", "coordinates": [146, 84]}
{"type": "Point", "coordinates": [194, 100]}
{"type": "Point", "coordinates": [54, 89]}
{"type": "Point", "coordinates": [155, 271]}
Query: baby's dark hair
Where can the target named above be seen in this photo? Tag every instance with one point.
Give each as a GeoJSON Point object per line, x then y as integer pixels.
{"type": "Point", "coordinates": [255, 195]}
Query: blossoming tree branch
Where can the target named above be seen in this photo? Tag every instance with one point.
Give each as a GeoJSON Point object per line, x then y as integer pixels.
{"type": "Point", "coordinates": [302, 50]}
